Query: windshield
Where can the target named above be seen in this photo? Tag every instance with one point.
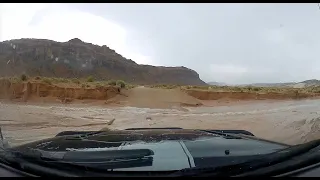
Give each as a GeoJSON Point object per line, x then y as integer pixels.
{"type": "Point", "coordinates": [210, 82]}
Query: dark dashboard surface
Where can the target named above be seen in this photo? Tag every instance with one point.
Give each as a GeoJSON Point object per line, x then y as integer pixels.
{"type": "Point", "coordinates": [313, 171]}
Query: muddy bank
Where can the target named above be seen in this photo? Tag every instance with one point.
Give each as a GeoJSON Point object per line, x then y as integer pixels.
{"type": "Point", "coordinates": [25, 91]}
{"type": "Point", "coordinates": [211, 95]}
{"type": "Point", "coordinates": [143, 97]}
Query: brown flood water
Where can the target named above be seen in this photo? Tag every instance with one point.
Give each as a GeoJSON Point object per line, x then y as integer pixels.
{"type": "Point", "coordinates": [290, 122]}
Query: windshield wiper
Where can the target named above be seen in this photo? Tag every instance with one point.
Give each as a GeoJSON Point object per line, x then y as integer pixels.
{"type": "Point", "coordinates": [57, 162]}
{"type": "Point", "coordinates": [85, 157]}
{"type": "Point", "coordinates": [251, 165]}
{"type": "Point", "coordinates": [77, 161]}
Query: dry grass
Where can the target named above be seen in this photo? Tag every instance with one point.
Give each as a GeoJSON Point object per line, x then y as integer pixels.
{"type": "Point", "coordinates": [306, 90]}
{"type": "Point", "coordinates": [81, 82]}
{"type": "Point", "coordinates": [91, 83]}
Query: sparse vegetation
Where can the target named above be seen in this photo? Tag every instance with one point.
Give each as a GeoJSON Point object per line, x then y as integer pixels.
{"type": "Point", "coordinates": [89, 82]}
{"type": "Point", "coordinates": [168, 86]}
{"type": "Point", "coordinates": [112, 83]}
{"type": "Point", "coordinates": [283, 90]}
{"type": "Point", "coordinates": [99, 86]}
{"type": "Point", "coordinates": [90, 79]}
{"type": "Point", "coordinates": [121, 84]}
{"type": "Point", "coordinates": [47, 81]}
{"type": "Point", "coordinates": [74, 80]}
{"type": "Point", "coordinates": [129, 86]}
{"type": "Point", "coordinates": [23, 77]}
{"type": "Point", "coordinates": [60, 80]}
{"type": "Point", "coordinates": [14, 79]}
{"type": "Point", "coordinates": [256, 89]}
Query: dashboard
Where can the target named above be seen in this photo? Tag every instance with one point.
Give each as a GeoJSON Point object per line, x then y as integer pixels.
{"type": "Point", "coordinates": [310, 171]}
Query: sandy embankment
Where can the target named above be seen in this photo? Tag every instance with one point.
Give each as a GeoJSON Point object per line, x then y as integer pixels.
{"type": "Point", "coordinates": [42, 92]}
{"type": "Point", "coordinates": [37, 91]}
{"type": "Point", "coordinates": [143, 97]}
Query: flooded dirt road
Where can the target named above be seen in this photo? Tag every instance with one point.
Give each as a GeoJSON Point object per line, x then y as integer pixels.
{"type": "Point", "coordinates": [289, 122]}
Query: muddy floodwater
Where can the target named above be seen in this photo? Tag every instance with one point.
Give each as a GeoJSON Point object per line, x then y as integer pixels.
{"type": "Point", "coordinates": [290, 122]}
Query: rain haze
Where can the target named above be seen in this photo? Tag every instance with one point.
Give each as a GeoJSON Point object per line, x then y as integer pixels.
{"type": "Point", "coordinates": [231, 43]}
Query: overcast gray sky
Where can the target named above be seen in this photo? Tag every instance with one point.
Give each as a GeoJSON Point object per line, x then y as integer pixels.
{"type": "Point", "coordinates": [232, 43]}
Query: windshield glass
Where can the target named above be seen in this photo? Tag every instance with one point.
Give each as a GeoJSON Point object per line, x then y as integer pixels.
{"type": "Point", "coordinates": [194, 85]}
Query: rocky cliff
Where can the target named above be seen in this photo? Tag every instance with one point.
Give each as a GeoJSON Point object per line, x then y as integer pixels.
{"type": "Point", "coordinates": [78, 59]}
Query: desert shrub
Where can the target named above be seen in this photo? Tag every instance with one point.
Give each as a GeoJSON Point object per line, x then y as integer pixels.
{"type": "Point", "coordinates": [76, 81]}
{"type": "Point", "coordinates": [23, 77]}
{"type": "Point", "coordinates": [202, 87]}
{"type": "Point", "coordinates": [47, 81]}
{"type": "Point", "coordinates": [256, 89]}
{"type": "Point", "coordinates": [165, 86]}
{"type": "Point", "coordinates": [90, 79]}
{"type": "Point", "coordinates": [172, 86]}
{"type": "Point", "coordinates": [61, 80]}
{"type": "Point", "coordinates": [98, 86]}
{"type": "Point", "coordinates": [15, 79]}
{"type": "Point", "coordinates": [129, 86]}
{"type": "Point", "coordinates": [249, 88]}
{"type": "Point", "coordinates": [237, 89]}
{"type": "Point", "coordinates": [121, 84]}
{"type": "Point", "coordinates": [112, 83]}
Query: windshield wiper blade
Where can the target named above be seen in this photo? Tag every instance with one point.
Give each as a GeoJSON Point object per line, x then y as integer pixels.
{"type": "Point", "coordinates": [103, 160]}
{"type": "Point", "coordinates": [251, 165]}
{"type": "Point", "coordinates": [77, 156]}
{"type": "Point", "coordinates": [83, 155]}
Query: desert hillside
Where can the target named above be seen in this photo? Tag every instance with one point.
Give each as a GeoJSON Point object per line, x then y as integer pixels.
{"type": "Point", "coordinates": [78, 59]}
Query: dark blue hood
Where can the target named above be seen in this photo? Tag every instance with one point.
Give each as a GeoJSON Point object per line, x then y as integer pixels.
{"type": "Point", "coordinates": [172, 149]}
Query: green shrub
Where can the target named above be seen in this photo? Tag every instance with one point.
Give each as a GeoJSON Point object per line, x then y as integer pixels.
{"type": "Point", "coordinates": [121, 83]}
{"type": "Point", "coordinates": [112, 83]}
{"type": "Point", "coordinates": [129, 86]}
{"type": "Point", "coordinates": [256, 89]}
{"type": "Point", "coordinates": [76, 81]}
{"type": "Point", "coordinates": [23, 77]}
{"type": "Point", "coordinates": [61, 80]}
{"type": "Point", "coordinates": [47, 81]}
{"type": "Point", "coordinates": [90, 79]}
{"type": "Point", "coordinates": [15, 79]}
{"type": "Point", "coordinates": [98, 86]}
{"type": "Point", "coordinates": [237, 89]}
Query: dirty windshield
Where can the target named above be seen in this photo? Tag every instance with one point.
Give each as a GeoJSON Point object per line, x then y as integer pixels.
{"type": "Point", "coordinates": [72, 68]}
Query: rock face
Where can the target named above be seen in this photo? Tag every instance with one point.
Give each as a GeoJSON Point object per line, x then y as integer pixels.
{"type": "Point", "coordinates": [77, 59]}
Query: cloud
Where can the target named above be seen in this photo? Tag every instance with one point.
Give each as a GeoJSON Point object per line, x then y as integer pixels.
{"type": "Point", "coordinates": [233, 43]}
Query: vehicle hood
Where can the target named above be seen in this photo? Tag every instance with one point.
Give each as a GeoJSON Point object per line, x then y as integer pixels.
{"type": "Point", "coordinates": [172, 149]}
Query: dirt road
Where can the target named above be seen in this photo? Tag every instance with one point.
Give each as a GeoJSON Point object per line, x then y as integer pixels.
{"type": "Point", "coordinates": [290, 122]}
